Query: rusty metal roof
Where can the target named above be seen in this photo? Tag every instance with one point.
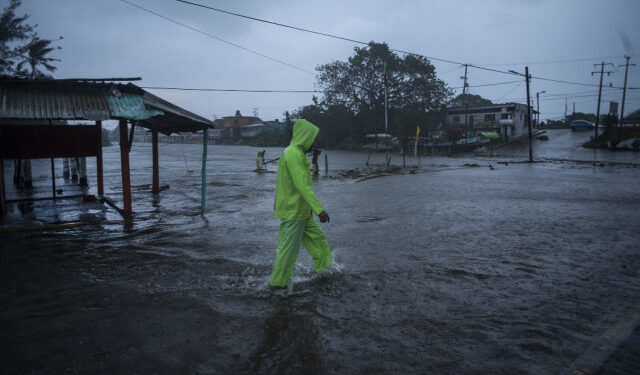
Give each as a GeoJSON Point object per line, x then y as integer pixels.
{"type": "Point", "coordinates": [45, 100]}
{"type": "Point", "coordinates": [89, 100]}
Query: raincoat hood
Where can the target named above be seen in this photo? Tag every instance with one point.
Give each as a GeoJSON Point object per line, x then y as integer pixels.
{"type": "Point", "coordinates": [304, 133]}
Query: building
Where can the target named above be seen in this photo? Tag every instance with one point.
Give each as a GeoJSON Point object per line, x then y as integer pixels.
{"type": "Point", "coordinates": [231, 125]}
{"type": "Point", "coordinates": [276, 125]}
{"type": "Point", "coordinates": [251, 130]}
{"type": "Point", "coordinates": [509, 120]}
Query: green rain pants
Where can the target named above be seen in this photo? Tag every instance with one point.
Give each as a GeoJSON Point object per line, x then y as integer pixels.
{"type": "Point", "coordinates": [291, 233]}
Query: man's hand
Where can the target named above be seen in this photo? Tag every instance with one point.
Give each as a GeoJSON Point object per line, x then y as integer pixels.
{"type": "Point", "coordinates": [324, 217]}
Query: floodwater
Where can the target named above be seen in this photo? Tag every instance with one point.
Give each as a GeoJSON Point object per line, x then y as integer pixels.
{"type": "Point", "coordinates": [459, 269]}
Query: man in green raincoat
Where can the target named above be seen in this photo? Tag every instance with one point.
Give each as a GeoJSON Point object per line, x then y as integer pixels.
{"type": "Point", "coordinates": [295, 205]}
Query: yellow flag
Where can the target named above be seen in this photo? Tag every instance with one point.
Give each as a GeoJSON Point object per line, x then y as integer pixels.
{"type": "Point", "coordinates": [417, 131]}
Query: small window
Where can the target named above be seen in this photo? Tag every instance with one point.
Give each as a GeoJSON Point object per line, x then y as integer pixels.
{"type": "Point", "coordinates": [456, 119]}
{"type": "Point", "coordinates": [490, 117]}
{"type": "Point", "coordinates": [504, 116]}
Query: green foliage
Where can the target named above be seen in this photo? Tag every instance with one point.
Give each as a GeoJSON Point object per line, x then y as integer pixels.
{"type": "Point", "coordinates": [13, 29]}
{"type": "Point", "coordinates": [470, 100]}
{"type": "Point", "coordinates": [556, 124]}
{"type": "Point", "coordinates": [359, 82]}
{"type": "Point", "coordinates": [270, 138]}
{"type": "Point", "coordinates": [591, 117]}
{"type": "Point", "coordinates": [15, 55]}
{"type": "Point", "coordinates": [335, 122]}
{"type": "Point", "coordinates": [609, 121]}
{"type": "Point", "coordinates": [36, 55]}
{"type": "Point", "coordinates": [354, 91]}
{"type": "Point", "coordinates": [288, 123]}
{"type": "Point", "coordinates": [633, 117]}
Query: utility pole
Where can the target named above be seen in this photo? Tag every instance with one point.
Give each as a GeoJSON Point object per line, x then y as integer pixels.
{"type": "Point", "coordinates": [527, 78]}
{"type": "Point", "coordinates": [624, 94]}
{"type": "Point", "coordinates": [595, 136]}
{"type": "Point", "coordinates": [464, 96]}
{"type": "Point", "coordinates": [386, 138]}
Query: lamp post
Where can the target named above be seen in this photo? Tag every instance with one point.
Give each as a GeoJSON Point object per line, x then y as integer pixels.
{"type": "Point", "coordinates": [538, 104]}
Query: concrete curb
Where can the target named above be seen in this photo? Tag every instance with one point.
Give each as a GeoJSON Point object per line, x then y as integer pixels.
{"type": "Point", "coordinates": [591, 360]}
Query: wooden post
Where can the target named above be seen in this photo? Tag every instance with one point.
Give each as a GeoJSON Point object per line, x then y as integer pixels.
{"type": "Point", "coordinates": [155, 189]}
{"type": "Point", "coordinates": [3, 207]}
{"type": "Point", "coordinates": [83, 171]}
{"type": "Point", "coordinates": [65, 168]}
{"type": "Point", "coordinates": [26, 173]}
{"type": "Point", "coordinates": [326, 165]}
{"type": "Point", "coordinates": [526, 74]}
{"type": "Point", "coordinates": [74, 169]}
{"type": "Point", "coordinates": [53, 178]}
{"type": "Point", "coordinates": [205, 141]}
{"type": "Point", "coordinates": [124, 163]}
{"type": "Point", "coordinates": [99, 170]}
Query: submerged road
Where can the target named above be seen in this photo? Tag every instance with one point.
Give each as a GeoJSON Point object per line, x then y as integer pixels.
{"type": "Point", "coordinates": [456, 270]}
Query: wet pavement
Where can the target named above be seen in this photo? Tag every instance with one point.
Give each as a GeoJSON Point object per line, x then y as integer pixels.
{"type": "Point", "coordinates": [513, 269]}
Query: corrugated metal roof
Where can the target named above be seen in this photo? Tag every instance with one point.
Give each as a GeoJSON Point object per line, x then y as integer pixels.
{"type": "Point", "coordinates": [36, 100]}
{"type": "Point", "coordinates": [131, 107]}
{"type": "Point", "coordinates": [179, 116]}
{"type": "Point", "coordinates": [87, 100]}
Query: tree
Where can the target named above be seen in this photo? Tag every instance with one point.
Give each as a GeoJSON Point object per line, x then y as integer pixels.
{"type": "Point", "coordinates": [13, 31]}
{"type": "Point", "coordinates": [358, 85]}
{"type": "Point", "coordinates": [333, 120]}
{"type": "Point", "coordinates": [591, 117]}
{"type": "Point", "coordinates": [470, 100]}
{"type": "Point", "coordinates": [36, 55]}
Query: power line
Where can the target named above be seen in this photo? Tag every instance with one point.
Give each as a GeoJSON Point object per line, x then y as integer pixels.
{"type": "Point", "coordinates": [488, 84]}
{"type": "Point", "coordinates": [333, 36]}
{"type": "Point", "coordinates": [556, 61]}
{"type": "Point", "coordinates": [218, 38]}
{"type": "Point", "coordinates": [278, 90]}
{"type": "Point", "coordinates": [270, 22]}
{"type": "Point", "coordinates": [229, 90]}
{"type": "Point", "coordinates": [508, 92]}
{"type": "Point", "coordinates": [365, 43]}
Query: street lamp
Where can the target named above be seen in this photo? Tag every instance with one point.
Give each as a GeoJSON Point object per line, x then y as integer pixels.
{"type": "Point", "coordinates": [538, 104]}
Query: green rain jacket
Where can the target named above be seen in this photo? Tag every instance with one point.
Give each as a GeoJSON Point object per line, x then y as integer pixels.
{"type": "Point", "coordinates": [295, 198]}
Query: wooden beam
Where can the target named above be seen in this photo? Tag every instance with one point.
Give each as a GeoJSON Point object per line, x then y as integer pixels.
{"type": "Point", "coordinates": [53, 177]}
{"type": "Point", "coordinates": [156, 170]}
{"type": "Point", "coordinates": [133, 127]}
{"type": "Point", "coordinates": [99, 169]}
{"type": "Point", "coordinates": [44, 142]}
{"type": "Point", "coordinates": [124, 163]}
{"type": "Point", "coordinates": [3, 206]}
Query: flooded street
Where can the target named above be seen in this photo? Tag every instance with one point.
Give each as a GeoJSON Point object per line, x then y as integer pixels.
{"type": "Point", "coordinates": [510, 269]}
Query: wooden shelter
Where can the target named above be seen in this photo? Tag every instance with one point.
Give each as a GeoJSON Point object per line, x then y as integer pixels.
{"type": "Point", "coordinates": [29, 108]}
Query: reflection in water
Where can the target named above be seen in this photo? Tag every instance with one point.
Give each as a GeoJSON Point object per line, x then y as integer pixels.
{"type": "Point", "coordinates": [457, 270]}
{"type": "Point", "coordinates": [291, 342]}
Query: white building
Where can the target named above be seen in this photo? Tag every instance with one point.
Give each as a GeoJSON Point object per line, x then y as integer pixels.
{"type": "Point", "coordinates": [509, 120]}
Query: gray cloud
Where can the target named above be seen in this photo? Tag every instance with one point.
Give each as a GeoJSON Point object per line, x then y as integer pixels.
{"type": "Point", "coordinates": [110, 38]}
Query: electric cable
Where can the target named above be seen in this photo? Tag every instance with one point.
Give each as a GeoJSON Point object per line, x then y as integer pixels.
{"type": "Point", "coordinates": [218, 38]}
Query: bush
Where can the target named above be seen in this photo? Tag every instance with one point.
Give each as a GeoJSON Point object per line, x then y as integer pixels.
{"type": "Point", "coordinates": [270, 139]}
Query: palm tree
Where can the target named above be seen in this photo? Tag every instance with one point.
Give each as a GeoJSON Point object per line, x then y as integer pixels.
{"type": "Point", "coordinates": [36, 55]}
